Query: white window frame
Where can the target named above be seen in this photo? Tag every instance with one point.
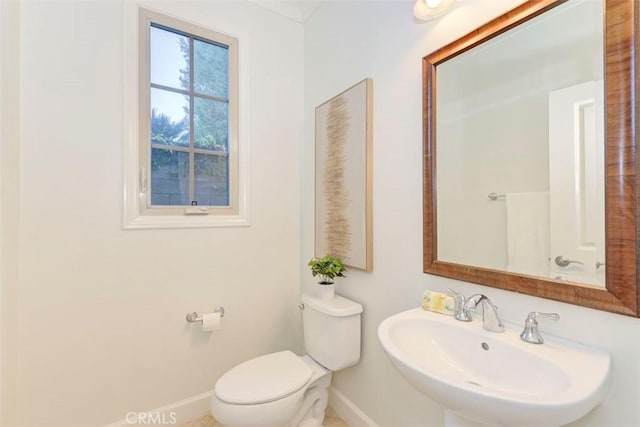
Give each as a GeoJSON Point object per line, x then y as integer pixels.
{"type": "Point", "coordinates": [138, 211]}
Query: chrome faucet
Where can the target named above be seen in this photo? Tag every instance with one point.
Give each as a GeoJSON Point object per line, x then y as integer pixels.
{"type": "Point", "coordinates": [531, 333]}
{"type": "Point", "coordinates": [490, 320]}
{"type": "Point", "coordinates": [463, 306]}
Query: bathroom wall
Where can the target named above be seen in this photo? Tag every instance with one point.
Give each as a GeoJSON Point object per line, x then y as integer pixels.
{"type": "Point", "coordinates": [101, 327]}
{"type": "Point", "coordinates": [9, 203]}
{"type": "Point", "coordinates": [345, 42]}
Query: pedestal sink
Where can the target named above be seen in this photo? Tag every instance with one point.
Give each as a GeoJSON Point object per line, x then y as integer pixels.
{"type": "Point", "coordinates": [495, 378]}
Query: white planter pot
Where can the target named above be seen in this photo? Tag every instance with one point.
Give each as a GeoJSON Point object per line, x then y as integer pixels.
{"type": "Point", "coordinates": [325, 292]}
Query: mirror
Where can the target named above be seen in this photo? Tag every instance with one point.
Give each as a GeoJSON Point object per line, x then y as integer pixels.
{"type": "Point", "coordinates": [528, 185]}
{"type": "Point", "coordinates": [520, 185]}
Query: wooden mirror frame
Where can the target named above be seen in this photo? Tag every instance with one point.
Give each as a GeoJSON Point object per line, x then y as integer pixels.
{"type": "Point", "coordinates": [622, 293]}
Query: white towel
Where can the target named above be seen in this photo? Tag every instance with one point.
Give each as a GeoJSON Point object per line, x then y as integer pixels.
{"type": "Point", "coordinates": [528, 233]}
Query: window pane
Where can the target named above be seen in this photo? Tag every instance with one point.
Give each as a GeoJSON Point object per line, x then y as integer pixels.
{"type": "Point", "coordinates": [169, 118]}
{"type": "Point", "coordinates": [211, 122]}
{"type": "Point", "coordinates": [212, 180]}
{"type": "Point", "coordinates": [169, 177]}
{"type": "Point", "coordinates": [169, 55]}
{"type": "Point", "coordinates": [211, 69]}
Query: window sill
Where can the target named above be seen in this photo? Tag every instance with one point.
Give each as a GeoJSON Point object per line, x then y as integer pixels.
{"type": "Point", "coordinates": [140, 222]}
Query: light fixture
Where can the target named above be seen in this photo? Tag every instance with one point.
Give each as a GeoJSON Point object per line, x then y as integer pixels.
{"type": "Point", "coordinates": [431, 9]}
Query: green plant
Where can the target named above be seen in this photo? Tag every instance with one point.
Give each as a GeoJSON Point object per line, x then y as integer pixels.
{"type": "Point", "coordinates": [328, 267]}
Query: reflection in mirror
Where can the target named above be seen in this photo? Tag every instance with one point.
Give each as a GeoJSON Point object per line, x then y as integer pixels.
{"type": "Point", "coordinates": [530, 179]}
{"type": "Point", "coordinates": [520, 127]}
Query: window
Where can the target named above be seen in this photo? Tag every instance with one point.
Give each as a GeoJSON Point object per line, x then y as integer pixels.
{"type": "Point", "coordinates": [188, 133]}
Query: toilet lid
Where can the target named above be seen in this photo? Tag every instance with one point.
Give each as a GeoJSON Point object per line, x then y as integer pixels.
{"type": "Point", "coordinates": [263, 379]}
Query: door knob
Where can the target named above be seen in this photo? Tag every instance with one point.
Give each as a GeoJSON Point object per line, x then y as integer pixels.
{"type": "Point", "coordinates": [563, 261]}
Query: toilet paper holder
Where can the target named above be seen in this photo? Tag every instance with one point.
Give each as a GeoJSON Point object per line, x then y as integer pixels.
{"type": "Point", "coordinates": [195, 317]}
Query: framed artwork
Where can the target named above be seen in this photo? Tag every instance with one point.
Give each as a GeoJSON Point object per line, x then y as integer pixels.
{"type": "Point", "coordinates": [343, 217]}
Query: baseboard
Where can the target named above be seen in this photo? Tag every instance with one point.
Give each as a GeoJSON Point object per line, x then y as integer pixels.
{"type": "Point", "coordinates": [173, 414]}
{"type": "Point", "coordinates": [348, 411]}
{"type": "Point", "coordinates": [198, 406]}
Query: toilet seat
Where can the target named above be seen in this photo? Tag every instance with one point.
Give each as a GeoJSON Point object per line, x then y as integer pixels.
{"type": "Point", "coordinates": [263, 379]}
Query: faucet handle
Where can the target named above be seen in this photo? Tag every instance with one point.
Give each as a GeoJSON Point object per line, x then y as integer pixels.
{"type": "Point", "coordinates": [531, 333]}
{"type": "Point", "coordinates": [460, 300]}
{"type": "Point", "coordinates": [536, 314]}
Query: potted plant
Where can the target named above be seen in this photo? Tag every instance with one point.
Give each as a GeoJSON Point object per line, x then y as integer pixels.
{"type": "Point", "coordinates": [328, 268]}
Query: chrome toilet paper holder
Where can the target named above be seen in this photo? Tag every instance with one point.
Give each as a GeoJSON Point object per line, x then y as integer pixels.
{"type": "Point", "coordinates": [194, 317]}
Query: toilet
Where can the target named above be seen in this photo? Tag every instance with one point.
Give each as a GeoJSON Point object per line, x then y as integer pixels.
{"type": "Point", "coordinates": [285, 390]}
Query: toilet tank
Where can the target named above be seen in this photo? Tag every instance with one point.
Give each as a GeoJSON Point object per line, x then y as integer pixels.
{"type": "Point", "coordinates": [332, 331]}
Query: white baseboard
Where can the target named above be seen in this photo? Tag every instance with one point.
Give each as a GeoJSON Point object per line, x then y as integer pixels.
{"type": "Point", "coordinates": [348, 411]}
{"type": "Point", "coordinates": [173, 414]}
{"type": "Point", "coordinates": [198, 406]}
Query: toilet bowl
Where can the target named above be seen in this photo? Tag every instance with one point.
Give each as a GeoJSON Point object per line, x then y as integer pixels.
{"type": "Point", "coordinates": [274, 390]}
{"type": "Point", "coordinates": [285, 390]}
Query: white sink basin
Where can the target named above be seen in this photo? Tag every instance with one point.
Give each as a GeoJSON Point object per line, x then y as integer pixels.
{"type": "Point", "coordinates": [495, 378]}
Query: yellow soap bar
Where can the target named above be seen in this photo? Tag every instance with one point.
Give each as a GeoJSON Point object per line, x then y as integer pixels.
{"type": "Point", "coordinates": [438, 303]}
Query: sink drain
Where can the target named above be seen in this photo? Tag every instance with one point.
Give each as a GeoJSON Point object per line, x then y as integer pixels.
{"type": "Point", "coordinates": [485, 346]}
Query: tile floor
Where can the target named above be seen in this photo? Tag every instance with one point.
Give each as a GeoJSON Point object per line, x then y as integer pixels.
{"type": "Point", "coordinates": [331, 419]}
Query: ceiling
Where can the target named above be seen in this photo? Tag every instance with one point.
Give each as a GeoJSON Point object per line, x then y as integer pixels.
{"type": "Point", "coordinates": [298, 11]}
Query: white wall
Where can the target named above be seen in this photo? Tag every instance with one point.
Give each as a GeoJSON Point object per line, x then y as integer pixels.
{"type": "Point", "coordinates": [101, 310]}
{"type": "Point", "coordinates": [345, 42]}
{"type": "Point", "coordinates": [9, 202]}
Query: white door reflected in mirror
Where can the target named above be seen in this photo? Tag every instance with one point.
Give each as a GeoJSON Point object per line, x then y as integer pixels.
{"type": "Point", "coordinates": [576, 183]}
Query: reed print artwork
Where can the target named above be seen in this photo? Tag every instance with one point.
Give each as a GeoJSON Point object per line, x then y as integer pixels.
{"type": "Point", "coordinates": [343, 176]}
{"type": "Point", "coordinates": [337, 226]}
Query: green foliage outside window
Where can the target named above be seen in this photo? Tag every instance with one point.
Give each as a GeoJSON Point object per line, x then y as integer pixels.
{"type": "Point", "coordinates": [210, 117]}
